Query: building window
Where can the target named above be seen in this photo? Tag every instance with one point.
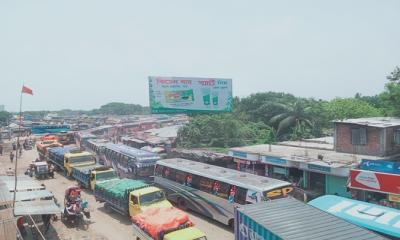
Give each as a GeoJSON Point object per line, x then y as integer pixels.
{"type": "Point", "coordinates": [397, 136]}
{"type": "Point", "coordinates": [359, 136]}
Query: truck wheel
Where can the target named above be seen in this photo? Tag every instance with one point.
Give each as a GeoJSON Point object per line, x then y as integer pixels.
{"type": "Point", "coordinates": [182, 204]}
{"type": "Point", "coordinates": [231, 224]}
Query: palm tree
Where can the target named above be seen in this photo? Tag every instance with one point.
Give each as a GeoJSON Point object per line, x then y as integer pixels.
{"type": "Point", "coordinates": [295, 115]}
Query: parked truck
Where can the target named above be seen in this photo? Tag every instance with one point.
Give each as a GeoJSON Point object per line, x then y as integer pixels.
{"type": "Point", "coordinates": [43, 147]}
{"type": "Point", "coordinates": [56, 155]}
{"type": "Point", "coordinates": [77, 158]}
{"type": "Point", "coordinates": [88, 175]}
{"type": "Point", "coordinates": [129, 197]}
{"type": "Point", "coordinates": [165, 224]}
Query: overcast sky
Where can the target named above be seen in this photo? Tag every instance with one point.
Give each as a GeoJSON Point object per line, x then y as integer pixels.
{"type": "Point", "coordinates": [81, 54]}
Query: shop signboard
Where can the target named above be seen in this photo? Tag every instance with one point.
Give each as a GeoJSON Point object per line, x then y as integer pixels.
{"type": "Point", "coordinates": [274, 160]}
{"type": "Point", "coordinates": [184, 94]}
{"type": "Point", "coordinates": [380, 166]}
{"type": "Point", "coordinates": [319, 168]}
{"type": "Point", "coordinates": [243, 155]}
{"type": "Point", "coordinates": [375, 181]}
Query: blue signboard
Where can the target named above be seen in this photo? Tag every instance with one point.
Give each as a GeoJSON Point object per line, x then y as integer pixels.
{"type": "Point", "coordinates": [240, 154]}
{"type": "Point", "coordinates": [274, 160]}
{"type": "Point", "coordinates": [371, 216]}
{"type": "Point", "coordinates": [319, 168]}
{"type": "Point", "coordinates": [380, 166]}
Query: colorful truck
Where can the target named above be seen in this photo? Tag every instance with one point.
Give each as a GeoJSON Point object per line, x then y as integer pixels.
{"type": "Point", "coordinates": [89, 175]}
{"type": "Point", "coordinates": [43, 147]}
{"type": "Point", "coordinates": [129, 197]}
{"type": "Point", "coordinates": [76, 159]}
{"type": "Point", "coordinates": [165, 224]}
{"type": "Point", "coordinates": [56, 155]}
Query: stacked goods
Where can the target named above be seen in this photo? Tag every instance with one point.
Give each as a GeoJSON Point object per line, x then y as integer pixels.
{"type": "Point", "coordinates": [157, 222]}
{"type": "Point", "coordinates": [117, 191]}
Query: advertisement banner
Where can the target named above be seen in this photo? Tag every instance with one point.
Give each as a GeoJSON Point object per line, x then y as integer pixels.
{"type": "Point", "coordinates": [380, 166]}
{"type": "Point", "coordinates": [375, 181]}
{"type": "Point", "coordinates": [182, 95]}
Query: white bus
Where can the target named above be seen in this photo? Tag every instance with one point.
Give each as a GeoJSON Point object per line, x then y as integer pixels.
{"type": "Point", "coordinates": [214, 191]}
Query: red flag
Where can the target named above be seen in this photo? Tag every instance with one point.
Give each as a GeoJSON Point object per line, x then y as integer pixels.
{"type": "Point", "coordinates": [27, 90]}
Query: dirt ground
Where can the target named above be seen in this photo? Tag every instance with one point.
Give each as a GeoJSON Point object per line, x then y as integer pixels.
{"type": "Point", "coordinates": [103, 225]}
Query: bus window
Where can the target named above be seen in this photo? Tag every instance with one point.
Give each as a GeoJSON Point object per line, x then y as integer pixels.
{"type": "Point", "coordinates": [224, 190]}
{"type": "Point", "coordinates": [241, 195]}
{"type": "Point", "coordinates": [206, 184]}
{"type": "Point", "coordinates": [180, 177]}
{"type": "Point", "coordinates": [158, 170]}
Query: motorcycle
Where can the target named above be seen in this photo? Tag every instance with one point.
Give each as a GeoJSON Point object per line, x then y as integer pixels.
{"type": "Point", "coordinates": [77, 213]}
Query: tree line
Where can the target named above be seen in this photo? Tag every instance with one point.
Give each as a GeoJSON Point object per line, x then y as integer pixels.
{"type": "Point", "coordinates": [272, 116]}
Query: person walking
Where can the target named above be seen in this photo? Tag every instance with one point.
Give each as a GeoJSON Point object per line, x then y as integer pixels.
{"type": "Point", "coordinates": [11, 157]}
{"type": "Point", "coordinates": [1, 150]}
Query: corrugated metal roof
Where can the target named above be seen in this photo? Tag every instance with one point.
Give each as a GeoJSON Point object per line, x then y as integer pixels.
{"type": "Point", "coordinates": [291, 219]}
{"type": "Point", "coordinates": [37, 207]}
{"type": "Point", "coordinates": [5, 195]}
{"type": "Point", "coordinates": [23, 183]}
{"type": "Point", "coordinates": [30, 195]}
{"type": "Point", "coordinates": [379, 122]}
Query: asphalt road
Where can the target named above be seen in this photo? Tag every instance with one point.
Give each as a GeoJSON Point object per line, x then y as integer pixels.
{"type": "Point", "coordinates": [103, 225]}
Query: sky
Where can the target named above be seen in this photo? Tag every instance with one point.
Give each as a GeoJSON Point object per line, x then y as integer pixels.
{"type": "Point", "coordinates": [81, 54]}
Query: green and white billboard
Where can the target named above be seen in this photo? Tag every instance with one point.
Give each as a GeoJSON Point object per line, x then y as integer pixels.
{"type": "Point", "coordinates": [182, 95]}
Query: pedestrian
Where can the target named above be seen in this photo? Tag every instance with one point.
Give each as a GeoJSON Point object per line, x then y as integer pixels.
{"type": "Point", "coordinates": [14, 146]}
{"type": "Point", "coordinates": [20, 151]}
{"type": "Point", "coordinates": [1, 150]}
{"type": "Point", "coordinates": [11, 156]}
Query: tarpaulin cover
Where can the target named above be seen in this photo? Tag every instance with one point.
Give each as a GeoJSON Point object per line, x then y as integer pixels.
{"type": "Point", "coordinates": [119, 188]}
{"type": "Point", "coordinates": [159, 221]}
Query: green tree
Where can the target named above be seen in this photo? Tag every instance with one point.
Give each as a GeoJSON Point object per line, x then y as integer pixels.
{"type": "Point", "coordinates": [118, 108]}
{"type": "Point", "coordinates": [390, 97]}
{"type": "Point", "coordinates": [343, 108]}
{"type": "Point", "coordinates": [222, 130]}
{"type": "Point", "coordinates": [296, 116]}
{"type": "Point", "coordinates": [4, 117]}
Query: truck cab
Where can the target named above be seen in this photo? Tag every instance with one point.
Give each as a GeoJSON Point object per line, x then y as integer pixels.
{"type": "Point", "coordinates": [190, 233]}
{"type": "Point", "coordinates": [145, 198]}
{"type": "Point", "coordinates": [76, 159]}
{"type": "Point", "coordinates": [100, 175]}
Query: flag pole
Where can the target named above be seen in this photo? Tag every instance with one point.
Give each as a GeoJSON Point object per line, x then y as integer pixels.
{"type": "Point", "coordinates": [16, 152]}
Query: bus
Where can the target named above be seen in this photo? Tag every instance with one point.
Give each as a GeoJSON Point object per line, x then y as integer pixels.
{"type": "Point", "coordinates": [214, 191]}
{"type": "Point", "coordinates": [130, 162]}
{"type": "Point", "coordinates": [380, 219]}
{"type": "Point", "coordinates": [97, 146]}
{"type": "Point", "coordinates": [81, 138]}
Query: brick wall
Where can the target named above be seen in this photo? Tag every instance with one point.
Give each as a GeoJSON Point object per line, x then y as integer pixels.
{"type": "Point", "coordinates": [374, 140]}
{"type": "Point", "coordinates": [391, 148]}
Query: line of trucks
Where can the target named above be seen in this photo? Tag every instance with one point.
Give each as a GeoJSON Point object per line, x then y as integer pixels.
{"type": "Point", "coordinates": [153, 216]}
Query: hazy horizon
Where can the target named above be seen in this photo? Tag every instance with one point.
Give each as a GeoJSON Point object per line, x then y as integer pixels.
{"type": "Point", "coordinates": [84, 54]}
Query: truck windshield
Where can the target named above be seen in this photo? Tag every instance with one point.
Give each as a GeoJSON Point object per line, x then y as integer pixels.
{"type": "Point", "coordinates": [106, 175]}
{"type": "Point", "coordinates": [151, 198]}
{"type": "Point", "coordinates": [80, 159]}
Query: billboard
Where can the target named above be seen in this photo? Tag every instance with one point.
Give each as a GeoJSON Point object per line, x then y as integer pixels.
{"type": "Point", "coordinates": [375, 181]}
{"type": "Point", "coordinates": [183, 95]}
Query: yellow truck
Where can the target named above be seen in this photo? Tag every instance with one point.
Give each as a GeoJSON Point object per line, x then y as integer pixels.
{"type": "Point", "coordinates": [77, 159]}
{"type": "Point", "coordinates": [129, 197]}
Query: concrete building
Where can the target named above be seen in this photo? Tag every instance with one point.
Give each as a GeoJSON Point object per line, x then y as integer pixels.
{"type": "Point", "coordinates": [368, 136]}
{"type": "Point", "coordinates": [330, 165]}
